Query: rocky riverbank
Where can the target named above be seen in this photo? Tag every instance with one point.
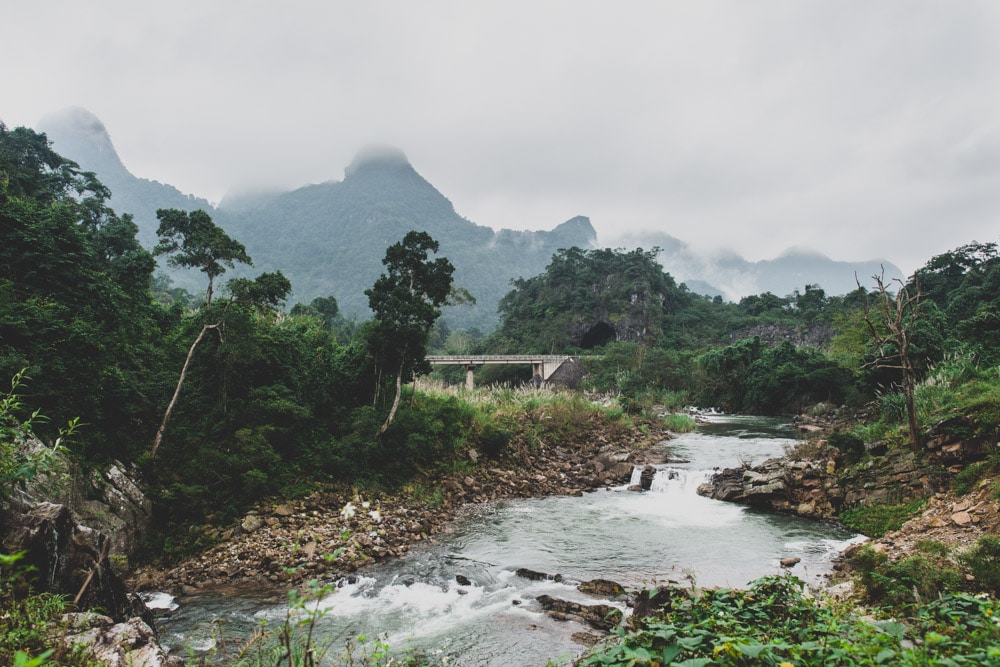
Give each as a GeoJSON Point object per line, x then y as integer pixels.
{"type": "Point", "coordinates": [337, 531]}
{"type": "Point", "coordinates": [820, 481]}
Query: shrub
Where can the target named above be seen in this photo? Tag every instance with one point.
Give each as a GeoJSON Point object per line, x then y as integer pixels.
{"type": "Point", "coordinates": [904, 582]}
{"type": "Point", "coordinates": [848, 444]}
{"type": "Point", "coordinates": [679, 423]}
{"type": "Point", "coordinates": [875, 520]}
{"type": "Point", "coordinates": [983, 562]}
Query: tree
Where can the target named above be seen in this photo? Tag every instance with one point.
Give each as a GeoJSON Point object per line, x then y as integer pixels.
{"type": "Point", "coordinates": [891, 319]}
{"type": "Point", "coordinates": [265, 292]}
{"type": "Point", "coordinates": [407, 300]}
{"type": "Point", "coordinates": [193, 241]}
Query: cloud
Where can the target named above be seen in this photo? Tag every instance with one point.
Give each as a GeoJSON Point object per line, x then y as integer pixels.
{"type": "Point", "coordinates": [862, 129]}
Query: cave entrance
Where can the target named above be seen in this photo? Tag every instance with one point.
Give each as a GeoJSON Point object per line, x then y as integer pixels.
{"type": "Point", "coordinates": [600, 334]}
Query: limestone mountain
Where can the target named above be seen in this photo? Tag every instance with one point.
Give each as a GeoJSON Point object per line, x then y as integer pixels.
{"type": "Point", "coordinates": [329, 238]}
{"type": "Point", "coordinates": [79, 135]}
{"type": "Point", "coordinates": [733, 277]}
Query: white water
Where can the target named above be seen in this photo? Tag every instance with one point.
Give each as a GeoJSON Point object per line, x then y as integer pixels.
{"type": "Point", "coordinates": [638, 539]}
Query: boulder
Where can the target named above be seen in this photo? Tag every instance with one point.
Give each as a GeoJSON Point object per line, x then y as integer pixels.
{"type": "Point", "coordinates": [69, 559]}
{"type": "Point", "coordinates": [534, 575]}
{"type": "Point", "coordinates": [599, 616]}
{"type": "Point", "coordinates": [646, 478]}
{"type": "Point", "coordinates": [601, 588]}
{"type": "Point", "coordinates": [128, 644]}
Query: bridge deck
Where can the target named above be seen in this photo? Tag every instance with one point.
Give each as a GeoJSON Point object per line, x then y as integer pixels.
{"type": "Point", "coordinates": [480, 359]}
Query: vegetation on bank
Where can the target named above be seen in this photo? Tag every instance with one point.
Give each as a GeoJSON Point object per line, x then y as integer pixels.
{"type": "Point", "coordinates": [772, 622]}
{"type": "Point", "coordinates": [224, 400]}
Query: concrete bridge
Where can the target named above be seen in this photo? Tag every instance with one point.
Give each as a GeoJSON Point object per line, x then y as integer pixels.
{"type": "Point", "coordinates": [542, 365]}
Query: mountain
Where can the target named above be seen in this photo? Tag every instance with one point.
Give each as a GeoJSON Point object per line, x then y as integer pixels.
{"type": "Point", "coordinates": [329, 239]}
{"type": "Point", "coordinates": [333, 236]}
{"type": "Point", "coordinates": [733, 277]}
{"type": "Point", "coordinates": [79, 135]}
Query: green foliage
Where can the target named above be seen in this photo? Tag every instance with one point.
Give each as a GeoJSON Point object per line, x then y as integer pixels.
{"type": "Point", "coordinates": [848, 444]}
{"type": "Point", "coordinates": [750, 377]}
{"type": "Point", "coordinates": [28, 621]}
{"type": "Point", "coordinates": [679, 423]}
{"type": "Point", "coordinates": [542, 314]}
{"type": "Point", "coordinates": [877, 519]}
{"type": "Point", "coordinates": [773, 623]}
{"type": "Point", "coordinates": [75, 308]}
{"type": "Point", "coordinates": [907, 581]}
{"type": "Point", "coordinates": [983, 562]}
{"type": "Point", "coordinates": [406, 300]}
{"type": "Point", "coordinates": [192, 240]}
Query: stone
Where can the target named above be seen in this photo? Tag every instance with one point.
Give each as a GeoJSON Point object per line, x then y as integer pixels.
{"type": "Point", "coordinates": [534, 575]}
{"type": "Point", "coordinates": [601, 587]}
{"type": "Point", "coordinates": [69, 558]}
{"type": "Point", "coordinates": [252, 523]}
{"type": "Point", "coordinates": [599, 616]}
{"type": "Point", "coordinates": [462, 580]}
{"type": "Point", "coordinates": [284, 510]}
{"type": "Point", "coordinates": [131, 643]}
{"type": "Point", "coordinates": [646, 478]}
{"type": "Point", "coordinates": [790, 561]}
{"type": "Point", "coordinates": [961, 518]}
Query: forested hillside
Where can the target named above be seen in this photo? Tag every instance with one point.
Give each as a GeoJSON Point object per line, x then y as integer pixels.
{"type": "Point", "coordinates": [328, 238]}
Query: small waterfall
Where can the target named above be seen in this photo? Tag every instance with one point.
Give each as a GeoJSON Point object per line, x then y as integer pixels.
{"type": "Point", "coordinates": [677, 481]}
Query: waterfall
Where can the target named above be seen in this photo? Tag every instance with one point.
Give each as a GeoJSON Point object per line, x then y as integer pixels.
{"type": "Point", "coordinates": [678, 481]}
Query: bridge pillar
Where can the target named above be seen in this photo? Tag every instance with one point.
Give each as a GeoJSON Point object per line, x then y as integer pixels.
{"type": "Point", "coordinates": [538, 373]}
{"type": "Point", "coordinates": [469, 382]}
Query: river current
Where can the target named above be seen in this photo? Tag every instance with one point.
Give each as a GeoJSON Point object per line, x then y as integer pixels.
{"type": "Point", "coordinates": [667, 534]}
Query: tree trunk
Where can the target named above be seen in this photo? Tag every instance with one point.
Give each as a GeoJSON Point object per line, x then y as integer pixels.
{"type": "Point", "coordinates": [395, 404]}
{"type": "Point", "coordinates": [208, 292]}
{"type": "Point", "coordinates": [909, 388]}
{"type": "Point", "coordinates": [177, 390]}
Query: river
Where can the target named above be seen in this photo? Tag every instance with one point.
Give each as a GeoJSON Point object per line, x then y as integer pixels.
{"type": "Point", "coordinates": [668, 534]}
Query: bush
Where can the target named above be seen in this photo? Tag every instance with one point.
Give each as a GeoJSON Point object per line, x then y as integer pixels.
{"type": "Point", "coordinates": [904, 582]}
{"type": "Point", "coordinates": [848, 444]}
{"type": "Point", "coordinates": [876, 520]}
{"type": "Point", "coordinates": [983, 562]}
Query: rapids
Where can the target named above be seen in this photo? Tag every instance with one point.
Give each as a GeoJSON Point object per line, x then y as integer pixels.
{"type": "Point", "coordinates": [635, 538]}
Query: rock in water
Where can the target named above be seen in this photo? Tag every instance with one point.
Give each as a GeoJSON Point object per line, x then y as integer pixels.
{"type": "Point", "coordinates": [646, 478]}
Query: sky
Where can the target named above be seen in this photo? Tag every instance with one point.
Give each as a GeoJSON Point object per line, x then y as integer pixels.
{"type": "Point", "coordinates": [859, 129]}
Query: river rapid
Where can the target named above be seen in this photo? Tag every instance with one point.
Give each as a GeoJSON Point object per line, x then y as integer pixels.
{"type": "Point", "coordinates": [667, 534]}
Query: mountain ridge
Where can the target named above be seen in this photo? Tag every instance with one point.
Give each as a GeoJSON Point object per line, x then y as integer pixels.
{"type": "Point", "coordinates": [329, 237]}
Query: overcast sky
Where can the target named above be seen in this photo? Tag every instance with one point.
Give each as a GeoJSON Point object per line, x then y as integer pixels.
{"type": "Point", "coordinates": [861, 129]}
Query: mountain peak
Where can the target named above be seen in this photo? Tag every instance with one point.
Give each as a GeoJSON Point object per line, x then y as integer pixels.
{"type": "Point", "coordinates": [377, 155]}
{"type": "Point", "coordinates": [77, 132]}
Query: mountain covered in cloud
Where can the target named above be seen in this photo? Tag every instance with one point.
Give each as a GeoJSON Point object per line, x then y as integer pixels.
{"type": "Point", "coordinates": [329, 238]}
{"type": "Point", "coordinates": [79, 135]}
{"type": "Point", "coordinates": [733, 277]}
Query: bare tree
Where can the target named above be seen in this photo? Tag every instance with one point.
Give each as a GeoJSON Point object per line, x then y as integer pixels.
{"type": "Point", "coordinates": [890, 321]}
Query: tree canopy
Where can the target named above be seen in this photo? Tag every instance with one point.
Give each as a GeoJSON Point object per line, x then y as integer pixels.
{"type": "Point", "coordinates": [192, 240]}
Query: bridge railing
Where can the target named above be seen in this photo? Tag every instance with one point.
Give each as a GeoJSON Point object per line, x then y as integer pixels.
{"type": "Point", "coordinates": [477, 359]}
